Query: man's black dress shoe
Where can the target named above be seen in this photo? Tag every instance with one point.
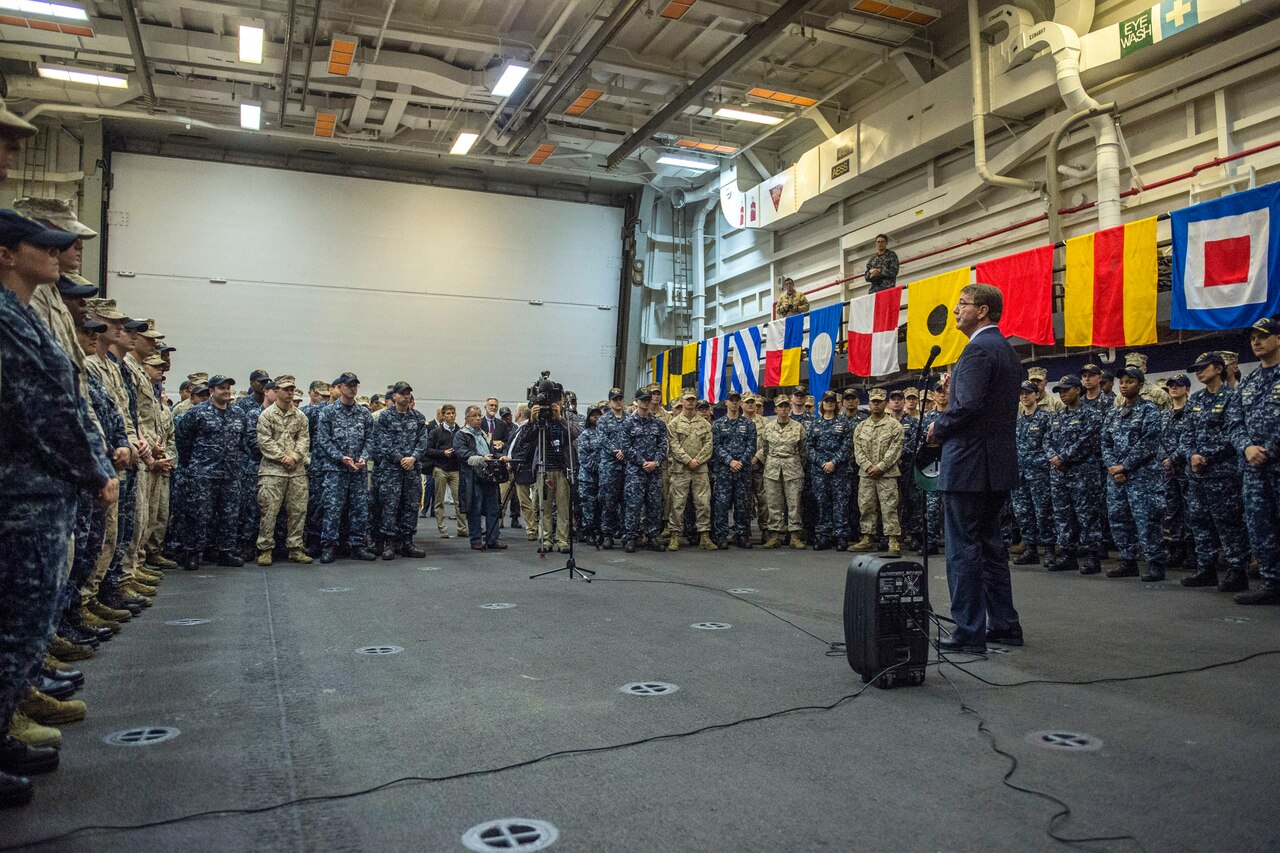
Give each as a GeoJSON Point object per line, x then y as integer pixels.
{"type": "Point", "coordinates": [75, 676]}
{"type": "Point", "coordinates": [54, 687]}
{"type": "Point", "coordinates": [963, 648]}
{"type": "Point", "coordinates": [14, 790]}
{"type": "Point", "coordinates": [18, 759]}
{"type": "Point", "coordinates": [1009, 637]}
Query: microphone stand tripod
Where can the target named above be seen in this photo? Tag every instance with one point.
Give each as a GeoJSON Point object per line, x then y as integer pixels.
{"type": "Point", "coordinates": [571, 477]}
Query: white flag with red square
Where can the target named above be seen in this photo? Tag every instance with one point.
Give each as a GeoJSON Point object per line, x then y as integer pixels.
{"type": "Point", "coordinates": [873, 332]}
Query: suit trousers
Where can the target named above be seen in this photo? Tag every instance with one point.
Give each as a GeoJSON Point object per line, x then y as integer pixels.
{"type": "Point", "coordinates": [977, 565]}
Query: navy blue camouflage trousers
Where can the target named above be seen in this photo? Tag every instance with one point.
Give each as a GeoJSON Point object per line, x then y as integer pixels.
{"type": "Point", "coordinates": [1136, 511]}
{"type": "Point", "coordinates": [1077, 507]}
{"type": "Point", "coordinates": [831, 496]}
{"type": "Point", "coordinates": [1033, 509]}
{"type": "Point", "coordinates": [1262, 513]}
{"type": "Point", "coordinates": [345, 491]}
{"type": "Point", "coordinates": [34, 533]}
{"type": "Point", "coordinates": [730, 490]}
{"type": "Point", "coordinates": [399, 496]}
{"type": "Point", "coordinates": [1214, 505]}
{"type": "Point", "coordinates": [589, 511]}
{"type": "Point", "coordinates": [213, 515]}
{"type": "Point", "coordinates": [642, 494]}
{"type": "Point", "coordinates": [612, 476]}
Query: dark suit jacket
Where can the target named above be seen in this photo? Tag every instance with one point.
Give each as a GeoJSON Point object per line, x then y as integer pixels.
{"type": "Point", "coordinates": [501, 429]}
{"type": "Point", "coordinates": [978, 429]}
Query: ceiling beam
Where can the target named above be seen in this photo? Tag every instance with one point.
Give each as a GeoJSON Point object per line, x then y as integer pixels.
{"type": "Point", "coordinates": [739, 54]}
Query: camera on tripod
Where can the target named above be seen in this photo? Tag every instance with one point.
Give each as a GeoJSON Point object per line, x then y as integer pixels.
{"type": "Point", "coordinates": [545, 393]}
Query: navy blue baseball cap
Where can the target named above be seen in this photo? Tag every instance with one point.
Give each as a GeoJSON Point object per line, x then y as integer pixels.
{"type": "Point", "coordinates": [1266, 326]}
{"type": "Point", "coordinates": [1069, 381]}
{"type": "Point", "coordinates": [851, 394]}
{"type": "Point", "coordinates": [346, 379]}
{"type": "Point", "coordinates": [1206, 359]}
{"type": "Point", "coordinates": [218, 379]}
{"type": "Point", "coordinates": [259, 375]}
{"type": "Point", "coordinates": [199, 388]}
{"type": "Point", "coordinates": [615, 394]}
{"type": "Point", "coordinates": [401, 388]}
{"type": "Point", "coordinates": [135, 325]}
{"type": "Point", "coordinates": [76, 290]}
{"type": "Point", "coordinates": [643, 393]}
{"type": "Point", "coordinates": [93, 324]}
{"type": "Point", "coordinates": [1133, 372]}
{"type": "Point", "coordinates": [1178, 379]}
{"type": "Point", "coordinates": [1030, 388]}
{"type": "Point", "coordinates": [16, 228]}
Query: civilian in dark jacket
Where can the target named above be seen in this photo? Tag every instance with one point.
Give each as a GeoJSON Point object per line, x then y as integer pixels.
{"type": "Point", "coordinates": [440, 452]}
{"type": "Point", "coordinates": [478, 461]}
{"type": "Point", "coordinates": [979, 469]}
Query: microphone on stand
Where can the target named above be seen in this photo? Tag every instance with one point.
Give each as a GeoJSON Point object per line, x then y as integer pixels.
{"type": "Point", "coordinates": [933, 355]}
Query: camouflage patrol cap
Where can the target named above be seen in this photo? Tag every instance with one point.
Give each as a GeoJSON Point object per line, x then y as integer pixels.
{"type": "Point", "coordinates": [319, 386]}
{"type": "Point", "coordinates": [153, 361]}
{"type": "Point", "coordinates": [150, 330]}
{"type": "Point", "coordinates": [782, 400]}
{"type": "Point", "coordinates": [687, 393]}
{"type": "Point", "coordinates": [1040, 373]}
{"type": "Point", "coordinates": [362, 400]}
{"type": "Point", "coordinates": [911, 392]}
{"type": "Point", "coordinates": [877, 394]}
{"type": "Point", "coordinates": [56, 213]}
{"type": "Point", "coordinates": [808, 400]}
{"type": "Point", "coordinates": [1229, 357]}
{"type": "Point", "coordinates": [104, 308]}
{"type": "Point", "coordinates": [200, 378]}
{"type": "Point", "coordinates": [284, 380]}
{"type": "Point", "coordinates": [1135, 359]}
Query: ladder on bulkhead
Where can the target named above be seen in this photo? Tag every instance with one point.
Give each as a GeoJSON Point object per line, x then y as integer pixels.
{"type": "Point", "coordinates": [681, 249]}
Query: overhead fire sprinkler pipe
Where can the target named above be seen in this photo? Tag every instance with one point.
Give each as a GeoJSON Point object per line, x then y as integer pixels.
{"type": "Point", "coordinates": [977, 69]}
{"type": "Point", "coordinates": [1065, 46]}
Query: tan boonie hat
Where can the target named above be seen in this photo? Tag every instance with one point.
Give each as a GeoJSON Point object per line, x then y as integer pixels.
{"type": "Point", "coordinates": [319, 386]}
{"type": "Point", "coordinates": [1037, 373]}
{"type": "Point", "coordinates": [877, 394]}
{"type": "Point", "coordinates": [1136, 359]}
{"type": "Point", "coordinates": [55, 212]}
{"type": "Point", "coordinates": [782, 399]}
{"type": "Point", "coordinates": [284, 380]}
{"type": "Point", "coordinates": [153, 361]}
{"type": "Point", "coordinates": [104, 308]}
{"type": "Point", "coordinates": [15, 126]}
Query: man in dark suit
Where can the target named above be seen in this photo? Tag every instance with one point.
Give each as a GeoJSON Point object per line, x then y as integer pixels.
{"type": "Point", "coordinates": [979, 468]}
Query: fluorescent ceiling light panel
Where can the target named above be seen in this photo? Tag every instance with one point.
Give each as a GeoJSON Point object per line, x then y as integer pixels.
{"type": "Point", "coordinates": [686, 163]}
{"type": "Point", "coordinates": [251, 116]}
{"type": "Point", "coordinates": [88, 78]}
{"type": "Point", "coordinates": [48, 10]}
{"type": "Point", "coordinates": [463, 143]}
{"type": "Point", "coordinates": [251, 41]}
{"type": "Point", "coordinates": [745, 115]}
{"type": "Point", "coordinates": [510, 78]}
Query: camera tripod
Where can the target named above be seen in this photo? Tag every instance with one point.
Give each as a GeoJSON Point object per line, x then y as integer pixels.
{"type": "Point", "coordinates": [571, 478]}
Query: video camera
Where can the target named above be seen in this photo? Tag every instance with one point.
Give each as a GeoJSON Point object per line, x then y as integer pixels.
{"type": "Point", "coordinates": [545, 393]}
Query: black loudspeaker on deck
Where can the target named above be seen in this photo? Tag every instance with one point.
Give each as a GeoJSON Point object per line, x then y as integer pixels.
{"type": "Point", "coordinates": [886, 619]}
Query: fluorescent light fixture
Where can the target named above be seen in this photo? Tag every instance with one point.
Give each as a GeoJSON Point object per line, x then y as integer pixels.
{"type": "Point", "coordinates": [48, 10]}
{"type": "Point", "coordinates": [744, 115]}
{"type": "Point", "coordinates": [463, 143]}
{"type": "Point", "coordinates": [686, 163]}
{"type": "Point", "coordinates": [511, 77]}
{"type": "Point", "coordinates": [251, 40]}
{"type": "Point", "coordinates": [89, 78]}
{"type": "Point", "coordinates": [251, 116]}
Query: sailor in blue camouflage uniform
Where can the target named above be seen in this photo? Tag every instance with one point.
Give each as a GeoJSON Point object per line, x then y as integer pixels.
{"type": "Point", "coordinates": [1073, 450]}
{"type": "Point", "coordinates": [1031, 504]}
{"type": "Point", "coordinates": [46, 456]}
{"type": "Point", "coordinates": [319, 392]}
{"type": "Point", "coordinates": [855, 415]}
{"type": "Point", "coordinates": [1214, 504]}
{"type": "Point", "coordinates": [255, 399]}
{"type": "Point", "coordinates": [210, 438]}
{"type": "Point", "coordinates": [341, 450]}
{"type": "Point", "coordinates": [829, 444]}
{"type": "Point", "coordinates": [1131, 456]}
{"type": "Point", "coordinates": [643, 439]}
{"type": "Point", "coordinates": [612, 469]}
{"type": "Point", "coordinates": [398, 446]}
{"type": "Point", "coordinates": [733, 443]}
{"type": "Point", "coordinates": [1179, 545]}
{"type": "Point", "coordinates": [589, 451]}
{"type": "Point", "coordinates": [932, 522]}
{"type": "Point", "coordinates": [1258, 442]}
{"type": "Point", "coordinates": [247, 541]}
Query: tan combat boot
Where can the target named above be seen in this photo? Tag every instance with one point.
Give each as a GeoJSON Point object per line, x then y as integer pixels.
{"type": "Point", "coordinates": [706, 544]}
{"type": "Point", "coordinates": [43, 708]}
{"type": "Point", "coordinates": [773, 541]}
{"type": "Point", "coordinates": [797, 542]}
{"type": "Point", "coordinates": [138, 587]}
{"type": "Point", "coordinates": [64, 649]}
{"type": "Point", "coordinates": [674, 543]}
{"type": "Point", "coordinates": [102, 611]}
{"type": "Point", "coordinates": [93, 620]}
{"type": "Point", "coordinates": [297, 555]}
{"type": "Point", "coordinates": [148, 577]}
{"type": "Point", "coordinates": [895, 547]}
{"type": "Point", "coordinates": [863, 544]}
{"type": "Point", "coordinates": [1018, 549]}
{"type": "Point", "coordinates": [264, 558]}
{"type": "Point", "coordinates": [33, 734]}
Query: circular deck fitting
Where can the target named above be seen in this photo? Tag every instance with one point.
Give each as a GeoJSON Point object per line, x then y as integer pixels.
{"type": "Point", "coordinates": [379, 650]}
{"type": "Point", "coordinates": [742, 590]}
{"type": "Point", "coordinates": [711, 626]}
{"type": "Point", "coordinates": [497, 605]}
{"type": "Point", "coordinates": [1235, 620]}
{"type": "Point", "coordinates": [335, 589]}
{"type": "Point", "coordinates": [187, 622]}
{"type": "Point", "coordinates": [512, 833]}
{"type": "Point", "coordinates": [141, 736]}
{"type": "Point", "coordinates": [1065, 741]}
{"type": "Point", "coordinates": [648, 688]}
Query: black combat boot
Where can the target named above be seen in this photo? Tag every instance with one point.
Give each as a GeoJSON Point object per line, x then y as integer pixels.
{"type": "Point", "coordinates": [1268, 592]}
{"type": "Point", "coordinates": [1091, 565]}
{"type": "Point", "coordinates": [842, 544]}
{"type": "Point", "coordinates": [1126, 569]}
{"type": "Point", "coordinates": [1065, 562]}
{"type": "Point", "coordinates": [743, 541]}
{"type": "Point", "coordinates": [408, 549]}
{"type": "Point", "coordinates": [388, 552]}
{"type": "Point", "coordinates": [1154, 572]}
{"type": "Point", "coordinates": [1203, 577]}
{"type": "Point", "coordinates": [1235, 581]}
{"type": "Point", "coordinates": [363, 554]}
{"type": "Point", "coordinates": [1029, 557]}
{"type": "Point", "coordinates": [326, 555]}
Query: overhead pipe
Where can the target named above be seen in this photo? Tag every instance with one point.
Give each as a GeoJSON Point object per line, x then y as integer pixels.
{"type": "Point", "coordinates": [978, 73]}
{"type": "Point", "coordinates": [288, 56]}
{"type": "Point", "coordinates": [129, 14]}
{"type": "Point", "coordinates": [698, 299]}
{"type": "Point", "coordinates": [1052, 183]}
{"type": "Point", "coordinates": [382, 33]}
{"type": "Point", "coordinates": [612, 25]}
{"type": "Point", "coordinates": [741, 52]}
{"type": "Point", "coordinates": [311, 52]}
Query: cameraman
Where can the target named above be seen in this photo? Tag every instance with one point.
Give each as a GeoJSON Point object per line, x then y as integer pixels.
{"type": "Point", "coordinates": [546, 444]}
{"type": "Point", "coordinates": [481, 471]}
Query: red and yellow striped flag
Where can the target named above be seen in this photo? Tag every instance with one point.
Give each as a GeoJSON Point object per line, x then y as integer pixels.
{"type": "Point", "coordinates": [1109, 294]}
